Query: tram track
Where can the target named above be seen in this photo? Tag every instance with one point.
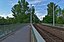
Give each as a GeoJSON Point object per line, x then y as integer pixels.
{"type": "Point", "coordinates": [50, 34]}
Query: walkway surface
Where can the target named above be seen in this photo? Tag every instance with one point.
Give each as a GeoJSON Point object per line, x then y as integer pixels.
{"type": "Point", "coordinates": [22, 35]}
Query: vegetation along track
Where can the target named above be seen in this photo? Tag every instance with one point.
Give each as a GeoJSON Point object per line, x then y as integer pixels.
{"type": "Point", "coordinates": [50, 34]}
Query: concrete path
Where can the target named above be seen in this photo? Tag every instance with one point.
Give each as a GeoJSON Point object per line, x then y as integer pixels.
{"type": "Point", "coordinates": [22, 35]}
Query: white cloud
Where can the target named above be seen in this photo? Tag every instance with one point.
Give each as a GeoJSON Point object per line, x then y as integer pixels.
{"type": "Point", "coordinates": [34, 1]}
{"type": "Point", "coordinates": [10, 15]}
{"type": "Point", "coordinates": [37, 1]}
{"type": "Point", "coordinates": [40, 15]}
{"type": "Point", "coordinates": [4, 15]}
{"type": "Point", "coordinates": [12, 3]}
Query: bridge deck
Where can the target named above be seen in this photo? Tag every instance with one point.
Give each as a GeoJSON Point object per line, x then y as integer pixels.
{"type": "Point", "coordinates": [22, 35]}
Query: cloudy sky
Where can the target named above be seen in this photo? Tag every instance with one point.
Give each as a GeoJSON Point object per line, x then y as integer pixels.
{"type": "Point", "coordinates": [40, 6]}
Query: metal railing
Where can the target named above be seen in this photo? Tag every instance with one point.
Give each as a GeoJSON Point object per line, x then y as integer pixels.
{"type": "Point", "coordinates": [6, 30]}
{"type": "Point", "coordinates": [37, 35]}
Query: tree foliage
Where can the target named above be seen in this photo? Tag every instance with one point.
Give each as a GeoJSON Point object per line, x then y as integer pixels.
{"type": "Point", "coordinates": [49, 17]}
{"type": "Point", "coordinates": [19, 14]}
{"type": "Point", "coordinates": [58, 14]}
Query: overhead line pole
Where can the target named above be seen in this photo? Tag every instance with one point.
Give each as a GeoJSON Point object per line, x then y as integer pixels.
{"type": "Point", "coordinates": [54, 15]}
{"type": "Point", "coordinates": [31, 14]}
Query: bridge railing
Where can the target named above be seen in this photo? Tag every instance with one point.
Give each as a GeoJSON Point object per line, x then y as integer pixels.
{"type": "Point", "coordinates": [7, 29]}
{"type": "Point", "coordinates": [37, 35]}
{"type": "Point", "coordinates": [58, 25]}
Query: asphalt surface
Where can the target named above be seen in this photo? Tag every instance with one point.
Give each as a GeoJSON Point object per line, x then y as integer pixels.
{"type": "Point", "coordinates": [22, 35]}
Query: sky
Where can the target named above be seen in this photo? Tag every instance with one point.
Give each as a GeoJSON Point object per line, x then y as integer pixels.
{"type": "Point", "coordinates": [40, 7]}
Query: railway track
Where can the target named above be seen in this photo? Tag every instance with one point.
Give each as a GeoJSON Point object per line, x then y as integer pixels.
{"type": "Point", "coordinates": [50, 34]}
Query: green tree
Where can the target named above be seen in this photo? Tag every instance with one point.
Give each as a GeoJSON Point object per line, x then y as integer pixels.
{"type": "Point", "coordinates": [50, 8]}
{"type": "Point", "coordinates": [2, 20]}
{"type": "Point", "coordinates": [63, 12]}
{"type": "Point", "coordinates": [19, 11]}
{"type": "Point", "coordinates": [60, 20]}
{"type": "Point", "coordinates": [49, 17]}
